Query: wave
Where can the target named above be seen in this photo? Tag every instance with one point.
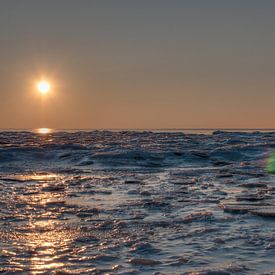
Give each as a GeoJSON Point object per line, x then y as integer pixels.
{"type": "Point", "coordinates": [145, 149]}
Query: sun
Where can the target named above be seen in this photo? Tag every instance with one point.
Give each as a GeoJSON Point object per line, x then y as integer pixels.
{"type": "Point", "coordinates": [43, 87]}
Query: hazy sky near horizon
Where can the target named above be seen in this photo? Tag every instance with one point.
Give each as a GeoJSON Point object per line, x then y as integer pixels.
{"type": "Point", "coordinates": [138, 64]}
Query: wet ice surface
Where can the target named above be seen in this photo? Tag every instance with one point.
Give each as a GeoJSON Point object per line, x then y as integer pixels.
{"type": "Point", "coordinates": [136, 202]}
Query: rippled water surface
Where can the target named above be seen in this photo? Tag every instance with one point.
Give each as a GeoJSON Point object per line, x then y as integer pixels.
{"type": "Point", "coordinates": [105, 202]}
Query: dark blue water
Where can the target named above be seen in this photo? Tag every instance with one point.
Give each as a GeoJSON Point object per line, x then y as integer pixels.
{"type": "Point", "coordinates": [124, 202]}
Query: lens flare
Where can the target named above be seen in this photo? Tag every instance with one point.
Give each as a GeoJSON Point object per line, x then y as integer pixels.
{"type": "Point", "coordinates": [271, 163]}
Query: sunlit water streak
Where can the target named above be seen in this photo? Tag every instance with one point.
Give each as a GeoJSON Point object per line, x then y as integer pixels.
{"type": "Point", "coordinates": [114, 202]}
{"type": "Point", "coordinates": [44, 131]}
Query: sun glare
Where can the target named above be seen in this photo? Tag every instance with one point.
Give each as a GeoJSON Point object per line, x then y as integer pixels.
{"type": "Point", "coordinates": [43, 131]}
{"type": "Point", "coordinates": [43, 87]}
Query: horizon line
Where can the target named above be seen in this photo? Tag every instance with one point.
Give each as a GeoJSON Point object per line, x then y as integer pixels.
{"type": "Point", "coordinates": [132, 129]}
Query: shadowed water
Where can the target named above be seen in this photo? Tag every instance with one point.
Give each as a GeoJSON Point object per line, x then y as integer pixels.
{"type": "Point", "coordinates": [106, 202]}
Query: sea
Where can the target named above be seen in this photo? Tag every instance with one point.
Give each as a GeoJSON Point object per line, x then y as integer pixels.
{"type": "Point", "coordinates": [167, 201]}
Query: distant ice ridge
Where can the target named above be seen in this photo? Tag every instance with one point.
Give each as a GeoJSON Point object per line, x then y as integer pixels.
{"type": "Point", "coordinates": [129, 148]}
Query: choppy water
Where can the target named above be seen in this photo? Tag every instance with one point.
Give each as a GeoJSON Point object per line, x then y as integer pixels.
{"type": "Point", "coordinates": [137, 202]}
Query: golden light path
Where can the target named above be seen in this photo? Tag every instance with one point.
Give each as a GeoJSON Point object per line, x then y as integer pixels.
{"type": "Point", "coordinates": [45, 238]}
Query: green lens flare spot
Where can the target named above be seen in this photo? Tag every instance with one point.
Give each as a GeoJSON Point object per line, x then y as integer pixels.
{"type": "Point", "coordinates": [271, 164]}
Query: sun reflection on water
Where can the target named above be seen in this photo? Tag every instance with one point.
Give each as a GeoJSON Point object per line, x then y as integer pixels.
{"type": "Point", "coordinates": [40, 177]}
{"type": "Point", "coordinates": [44, 238]}
{"type": "Point", "coordinates": [44, 131]}
{"type": "Point", "coordinates": [45, 243]}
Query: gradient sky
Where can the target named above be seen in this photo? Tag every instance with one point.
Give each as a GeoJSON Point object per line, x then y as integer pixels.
{"type": "Point", "coordinates": [138, 64]}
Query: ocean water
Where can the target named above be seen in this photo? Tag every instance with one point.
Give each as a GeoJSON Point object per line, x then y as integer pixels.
{"type": "Point", "coordinates": [137, 202]}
